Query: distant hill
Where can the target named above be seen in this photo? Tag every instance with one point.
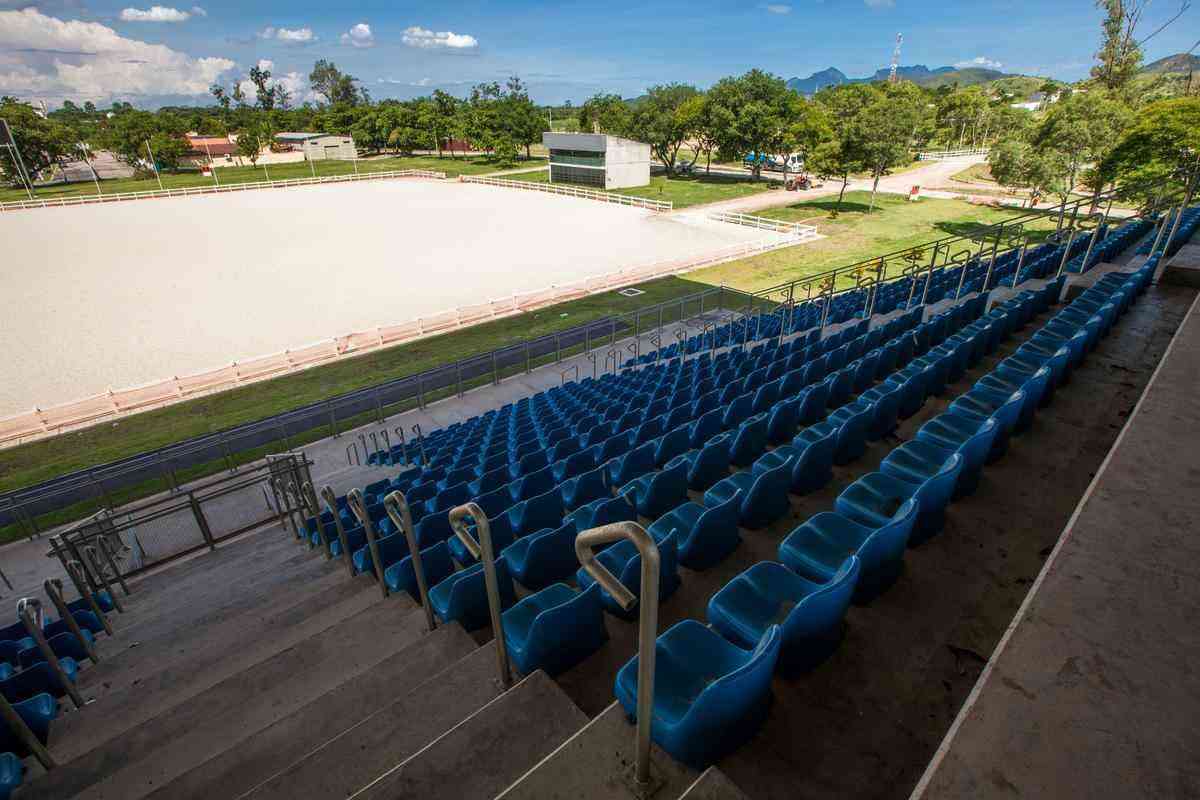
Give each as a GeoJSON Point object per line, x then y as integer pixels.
{"type": "Point", "coordinates": [918, 74]}
{"type": "Point", "coordinates": [1180, 62]}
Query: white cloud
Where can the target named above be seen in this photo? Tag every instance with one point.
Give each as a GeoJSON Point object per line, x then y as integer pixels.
{"type": "Point", "coordinates": [778, 8]}
{"type": "Point", "coordinates": [359, 36]}
{"type": "Point", "coordinates": [428, 40]}
{"type": "Point", "coordinates": [880, 3]}
{"type": "Point", "coordinates": [48, 58]}
{"type": "Point", "coordinates": [155, 14]}
{"type": "Point", "coordinates": [297, 86]}
{"type": "Point", "coordinates": [979, 61]}
{"type": "Point", "coordinates": [197, 11]}
{"type": "Point", "coordinates": [288, 35]}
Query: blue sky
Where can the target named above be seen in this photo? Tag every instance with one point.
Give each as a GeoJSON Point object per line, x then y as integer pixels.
{"type": "Point", "coordinates": [148, 53]}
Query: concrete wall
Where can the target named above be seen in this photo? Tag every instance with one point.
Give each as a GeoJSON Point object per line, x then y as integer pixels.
{"type": "Point", "coordinates": [627, 164]}
{"type": "Point", "coordinates": [593, 142]}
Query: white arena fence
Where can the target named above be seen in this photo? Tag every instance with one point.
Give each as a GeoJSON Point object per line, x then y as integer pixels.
{"type": "Point", "coordinates": [765, 224]}
{"type": "Point", "coordinates": [82, 200]}
{"type": "Point", "coordinates": [575, 191]}
{"type": "Point", "coordinates": [42, 423]}
{"type": "Point", "coordinates": [940, 155]}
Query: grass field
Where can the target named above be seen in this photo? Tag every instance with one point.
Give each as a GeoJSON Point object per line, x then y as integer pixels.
{"type": "Point", "coordinates": [682, 190]}
{"type": "Point", "coordinates": [453, 167]}
{"type": "Point", "coordinates": [853, 236]}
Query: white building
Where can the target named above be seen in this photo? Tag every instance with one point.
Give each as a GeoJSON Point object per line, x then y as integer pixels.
{"type": "Point", "coordinates": [320, 146]}
{"type": "Point", "coordinates": [595, 159]}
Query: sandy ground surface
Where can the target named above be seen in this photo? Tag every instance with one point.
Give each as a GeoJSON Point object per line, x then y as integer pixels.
{"type": "Point", "coordinates": [116, 295]}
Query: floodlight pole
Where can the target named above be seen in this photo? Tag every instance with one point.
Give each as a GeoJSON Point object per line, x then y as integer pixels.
{"type": "Point", "coordinates": [211, 166]}
{"type": "Point", "coordinates": [154, 166]}
{"type": "Point", "coordinates": [83, 151]}
{"type": "Point", "coordinates": [22, 173]}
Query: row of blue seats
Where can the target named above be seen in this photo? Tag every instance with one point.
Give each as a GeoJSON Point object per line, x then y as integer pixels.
{"type": "Point", "coordinates": [1187, 228]}
{"type": "Point", "coordinates": [713, 683]}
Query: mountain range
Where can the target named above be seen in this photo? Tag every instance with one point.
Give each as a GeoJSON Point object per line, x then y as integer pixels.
{"type": "Point", "coordinates": [918, 74]}
{"type": "Point", "coordinates": [1180, 62]}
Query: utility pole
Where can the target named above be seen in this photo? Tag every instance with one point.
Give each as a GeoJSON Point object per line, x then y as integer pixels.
{"type": "Point", "coordinates": [894, 77]}
{"type": "Point", "coordinates": [154, 165]}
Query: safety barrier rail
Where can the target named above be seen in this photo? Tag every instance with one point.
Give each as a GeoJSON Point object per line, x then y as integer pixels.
{"type": "Point", "coordinates": [764, 223]}
{"type": "Point", "coordinates": [575, 191]}
{"type": "Point", "coordinates": [938, 155]}
{"type": "Point", "coordinates": [56, 202]}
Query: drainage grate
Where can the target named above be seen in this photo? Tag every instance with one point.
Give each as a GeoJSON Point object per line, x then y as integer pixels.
{"type": "Point", "coordinates": [631, 292]}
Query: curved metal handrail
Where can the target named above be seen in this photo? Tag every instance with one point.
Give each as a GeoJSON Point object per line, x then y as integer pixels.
{"type": "Point", "coordinates": [1066, 256]}
{"type": "Point", "coordinates": [34, 627]}
{"type": "Point", "coordinates": [585, 544]}
{"type": "Point", "coordinates": [92, 559]}
{"type": "Point", "coordinates": [563, 374]}
{"type": "Point", "coordinates": [1100, 218]}
{"type": "Point", "coordinates": [356, 461]}
{"type": "Point", "coordinates": [354, 498]}
{"type": "Point", "coordinates": [483, 551]}
{"type": "Point", "coordinates": [327, 494]}
{"type": "Point", "coordinates": [421, 444]}
{"type": "Point", "coordinates": [75, 572]}
{"type": "Point", "coordinates": [21, 730]}
{"type": "Point", "coordinates": [399, 431]}
{"type": "Point", "coordinates": [396, 505]}
{"type": "Point", "coordinates": [53, 589]}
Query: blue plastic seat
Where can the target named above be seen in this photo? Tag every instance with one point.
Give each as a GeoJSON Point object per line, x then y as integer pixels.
{"type": "Point", "coordinates": [543, 557]}
{"type": "Point", "coordinates": [573, 465]}
{"type": "Point", "coordinates": [37, 679]}
{"type": "Point", "coordinates": [532, 484]}
{"type": "Point", "coordinates": [783, 420]}
{"type": "Point", "coordinates": [604, 511]}
{"type": "Point", "coordinates": [852, 422]}
{"type": "Point", "coordinates": [874, 498]}
{"type": "Point", "coordinates": [433, 529]}
{"type": "Point", "coordinates": [585, 488]}
{"type": "Point", "coordinates": [919, 460]}
{"type": "Point", "coordinates": [748, 441]}
{"type": "Point", "coordinates": [674, 442]}
{"type": "Point", "coordinates": [502, 533]}
{"type": "Point", "coordinates": [707, 465]}
{"type": "Point", "coordinates": [710, 696]}
{"type": "Point", "coordinates": [706, 536]}
{"type": "Point", "coordinates": [356, 537]}
{"type": "Point", "coordinates": [634, 464]}
{"type": "Point", "coordinates": [435, 561]}
{"type": "Point", "coordinates": [981, 404]}
{"type": "Point", "coordinates": [37, 712]}
{"type": "Point", "coordinates": [658, 492]}
{"type": "Point", "coordinates": [555, 629]}
{"type": "Point", "coordinates": [391, 549]}
{"type": "Point", "coordinates": [543, 511]}
{"type": "Point", "coordinates": [810, 613]}
{"type": "Point", "coordinates": [462, 597]}
{"type": "Point", "coordinates": [764, 496]}
{"type": "Point", "coordinates": [625, 563]}
{"type": "Point", "coordinates": [612, 447]}
{"type": "Point", "coordinates": [817, 548]}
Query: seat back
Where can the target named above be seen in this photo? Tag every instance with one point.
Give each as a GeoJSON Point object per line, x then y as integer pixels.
{"type": "Point", "coordinates": [672, 443]}
{"type": "Point", "coordinates": [725, 701]}
{"type": "Point", "coordinates": [738, 411]}
{"type": "Point", "coordinates": [813, 403]}
{"type": "Point", "coordinates": [706, 427]}
{"type": "Point", "coordinates": [825, 607]}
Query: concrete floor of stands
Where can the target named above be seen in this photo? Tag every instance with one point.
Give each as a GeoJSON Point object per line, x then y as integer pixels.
{"type": "Point", "coordinates": [865, 724]}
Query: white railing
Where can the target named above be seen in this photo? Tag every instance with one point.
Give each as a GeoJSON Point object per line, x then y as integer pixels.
{"type": "Point", "coordinates": [765, 224]}
{"type": "Point", "coordinates": [20, 205]}
{"type": "Point", "coordinates": [42, 423]}
{"type": "Point", "coordinates": [575, 191]}
{"type": "Point", "coordinates": [939, 155]}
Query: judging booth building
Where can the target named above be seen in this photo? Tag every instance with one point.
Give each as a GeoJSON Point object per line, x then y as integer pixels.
{"type": "Point", "coordinates": [595, 159]}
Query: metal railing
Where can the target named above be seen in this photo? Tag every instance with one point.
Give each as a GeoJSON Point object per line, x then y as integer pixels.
{"type": "Point", "coordinates": [585, 544]}
{"type": "Point", "coordinates": [764, 223]}
{"type": "Point", "coordinates": [398, 511]}
{"type": "Point", "coordinates": [191, 191]}
{"type": "Point", "coordinates": [485, 553]}
{"type": "Point", "coordinates": [938, 155]}
{"type": "Point", "coordinates": [575, 191]}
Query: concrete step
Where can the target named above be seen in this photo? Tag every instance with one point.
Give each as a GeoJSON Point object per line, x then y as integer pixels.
{"type": "Point", "coordinates": [271, 750]}
{"type": "Point", "coordinates": [156, 638]}
{"type": "Point", "coordinates": [395, 732]}
{"type": "Point", "coordinates": [269, 542]}
{"type": "Point", "coordinates": [597, 763]}
{"type": "Point", "coordinates": [713, 785]}
{"type": "Point", "coordinates": [170, 743]}
{"type": "Point", "coordinates": [124, 707]}
{"type": "Point", "coordinates": [488, 750]}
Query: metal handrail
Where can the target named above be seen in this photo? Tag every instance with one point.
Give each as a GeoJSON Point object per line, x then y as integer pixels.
{"type": "Point", "coordinates": [359, 506]}
{"type": "Point", "coordinates": [53, 589]}
{"type": "Point", "coordinates": [563, 373]}
{"type": "Point", "coordinates": [416, 429]}
{"type": "Point", "coordinates": [89, 555]}
{"type": "Point", "coordinates": [483, 551]}
{"type": "Point", "coordinates": [35, 631]}
{"type": "Point", "coordinates": [585, 544]}
{"type": "Point", "coordinates": [17, 725]}
{"type": "Point", "coordinates": [73, 570]}
{"type": "Point", "coordinates": [396, 505]}
{"type": "Point", "coordinates": [330, 498]}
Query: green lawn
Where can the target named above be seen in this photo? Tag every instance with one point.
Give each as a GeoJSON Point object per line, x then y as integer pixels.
{"type": "Point", "coordinates": [453, 167]}
{"type": "Point", "coordinates": [682, 190]}
{"type": "Point", "coordinates": [851, 237]}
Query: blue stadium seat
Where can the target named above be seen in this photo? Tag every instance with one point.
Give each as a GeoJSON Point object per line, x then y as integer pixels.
{"type": "Point", "coordinates": [543, 511]}
{"type": "Point", "coordinates": [604, 511]}
{"type": "Point", "coordinates": [706, 536]}
{"type": "Point", "coordinates": [625, 563]}
{"type": "Point", "coordinates": [710, 696]}
{"type": "Point", "coordinates": [658, 492]}
{"type": "Point", "coordinates": [554, 629]}
{"type": "Point", "coordinates": [707, 465]}
{"type": "Point", "coordinates": [634, 464]}
{"type": "Point", "coordinates": [764, 496]}
{"type": "Point", "coordinates": [543, 557]}
{"type": "Point", "coordinates": [873, 498]}
{"type": "Point", "coordinates": [462, 597]}
{"type": "Point", "coordinates": [812, 612]}
{"type": "Point", "coordinates": [918, 460]}
{"type": "Point", "coordinates": [502, 533]}
{"type": "Point", "coordinates": [435, 560]}
{"type": "Point", "coordinates": [585, 488]}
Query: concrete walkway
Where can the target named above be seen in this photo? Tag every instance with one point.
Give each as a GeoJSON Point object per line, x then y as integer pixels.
{"type": "Point", "coordinates": [1093, 690]}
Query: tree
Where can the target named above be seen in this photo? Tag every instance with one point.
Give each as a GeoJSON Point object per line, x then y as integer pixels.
{"type": "Point", "coordinates": [334, 85]}
{"type": "Point", "coordinates": [218, 91]}
{"type": "Point", "coordinates": [761, 109]}
{"type": "Point", "coordinates": [706, 120]}
{"type": "Point", "coordinates": [264, 93]}
{"type": "Point", "coordinates": [1165, 138]}
{"type": "Point", "coordinates": [605, 113]}
{"type": "Point", "coordinates": [519, 117]}
{"type": "Point", "coordinates": [444, 118]}
{"type": "Point", "coordinates": [41, 142]}
{"type": "Point", "coordinates": [1120, 55]}
{"type": "Point", "coordinates": [252, 141]}
{"type": "Point", "coordinates": [887, 125]}
{"type": "Point", "coordinates": [128, 132]}
{"type": "Point", "coordinates": [1081, 130]}
{"type": "Point", "coordinates": [845, 151]}
{"type": "Point", "coordinates": [662, 121]}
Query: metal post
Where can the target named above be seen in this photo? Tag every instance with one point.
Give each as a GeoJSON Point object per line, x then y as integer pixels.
{"type": "Point", "coordinates": [875, 288]}
{"type": "Point", "coordinates": [585, 543]}
{"type": "Point", "coordinates": [359, 506]}
{"type": "Point", "coordinates": [929, 277]}
{"type": "Point", "coordinates": [202, 521]}
{"type": "Point", "coordinates": [1091, 244]}
{"type": "Point", "coordinates": [1062, 265]}
{"type": "Point", "coordinates": [421, 444]}
{"type": "Point", "coordinates": [987, 278]}
{"type": "Point", "coordinates": [482, 550]}
{"type": "Point", "coordinates": [1020, 262]}
{"type": "Point", "coordinates": [331, 503]}
{"type": "Point", "coordinates": [495, 370]}
{"type": "Point", "coordinates": [154, 166]}
{"type": "Point", "coordinates": [397, 509]}
{"type": "Point", "coordinates": [73, 569]}
{"type": "Point", "coordinates": [527, 359]}
{"type": "Point", "coordinates": [1162, 228]}
{"type": "Point", "coordinates": [89, 553]}
{"type": "Point", "coordinates": [828, 302]}
{"type": "Point", "coordinates": [33, 626]}
{"type": "Point", "coordinates": [1178, 218]}
{"type": "Point", "coordinates": [17, 725]}
{"type": "Point", "coordinates": [53, 589]}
